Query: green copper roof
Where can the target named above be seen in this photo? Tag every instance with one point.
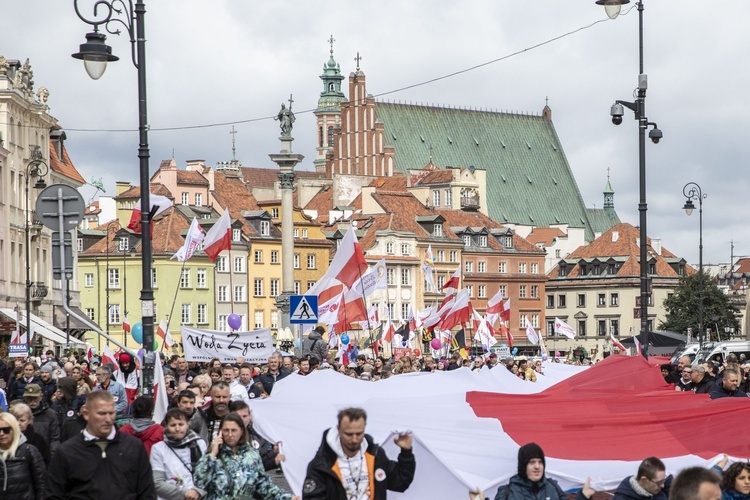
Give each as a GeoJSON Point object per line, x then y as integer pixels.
{"type": "Point", "coordinates": [528, 174]}
{"type": "Point", "coordinates": [602, 219]}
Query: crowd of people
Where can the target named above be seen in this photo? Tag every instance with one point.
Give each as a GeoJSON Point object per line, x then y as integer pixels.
{"type": "Point", "coordinates": [73, 428]}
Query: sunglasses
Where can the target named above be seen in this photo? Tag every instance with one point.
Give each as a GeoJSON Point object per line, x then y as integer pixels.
{"type": "Point", "coordinates": [5, 430]}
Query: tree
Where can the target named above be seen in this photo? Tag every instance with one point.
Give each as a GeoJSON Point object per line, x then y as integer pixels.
{"type": "Point", "coordinates": [682, 307]}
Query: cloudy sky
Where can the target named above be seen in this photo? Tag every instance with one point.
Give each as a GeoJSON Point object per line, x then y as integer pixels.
{"type": "Point", "coordinates": [235, 61]}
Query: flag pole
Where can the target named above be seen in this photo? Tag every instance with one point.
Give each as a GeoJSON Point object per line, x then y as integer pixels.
{"type": "Point", "coordinates": [174, 301]}
{"type": "Point", "coordinates": [231, 285]}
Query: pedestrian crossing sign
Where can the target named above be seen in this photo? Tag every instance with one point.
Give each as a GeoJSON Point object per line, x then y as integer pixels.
{"type": "Point", "coordinates": [303, 309]}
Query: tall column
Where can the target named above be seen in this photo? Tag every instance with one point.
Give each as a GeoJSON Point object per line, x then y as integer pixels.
{"type": "Point", "coordinates": [286, 160]}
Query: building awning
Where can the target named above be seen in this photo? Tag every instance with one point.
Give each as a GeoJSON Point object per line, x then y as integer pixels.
{"type": "Point", "coordinates": [60, 319]}
{"type": "Point", "coordinates": [41, 327]}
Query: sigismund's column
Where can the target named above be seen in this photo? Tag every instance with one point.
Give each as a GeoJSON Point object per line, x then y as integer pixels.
{"type": "Point", "coordinates": [286, 160]}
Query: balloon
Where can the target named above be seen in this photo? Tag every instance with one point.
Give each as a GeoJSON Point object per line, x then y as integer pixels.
{"type": "Point", "coordinates": [140, 353]}
{"type": "Point", "coordinates": [234, 321]}
{"type": "Point", "coordinates": [514, 351]}
{"type": "Point", "coordinates": [544, 357]}
{"type": "Point", "coordinates": [345, 339]}
{"type": "Point", "coordinates": [137, 333]}
{"type": "Point", "coordinates": [156, 344]}
{"type": "Point", "coordinates": [417, 352]}
{"type": "Point", "coordinates": [404, 343]}
{"type": "Point", "coordinates": [298, 343]}
{"type": "Point", "coordinates": [435, 344]}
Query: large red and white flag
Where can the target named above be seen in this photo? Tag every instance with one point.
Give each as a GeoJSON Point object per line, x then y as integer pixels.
{"type": "Point", "coordinates": [161, 398]}
{"type": "Point", "coordinates": [193, 241]}
{"type": "Point", "coordinates": [505, 332]}
{"type": "Point", "coordinates": [454, 281]}
{"type": "Point", "coordinates": [563, 328]}
{"type": "Point", "coordinates": [349, 263]}
{"type": "Point", "coordinates": [389, 331]}
{"type": "Point", "coordinates": [617, 343]}
{"type": "Point", "coordinates": [163, 332]}
{"type": "Point", "coordinates": [125, 324]}
{"type": "Point", "coordinates": [219, 237]}
{"type": "Point", "coordinates": [531, 334]}
{"type": "Point", "coordinates": [460, 311]}
{"type": "Point", "coordinates": [158, 205]}
{"type": "Point", "coordinates": [638, 350]}
{"type": "Point", "coordinates": [89, 351]}
{"type": "Point", "coordinates": [495, 304]}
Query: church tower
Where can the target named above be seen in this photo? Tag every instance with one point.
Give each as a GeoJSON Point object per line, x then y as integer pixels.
{"type": "Point", "coordinates": [609, 198]}
{"type": "Point", "coordinates": [328, 112]}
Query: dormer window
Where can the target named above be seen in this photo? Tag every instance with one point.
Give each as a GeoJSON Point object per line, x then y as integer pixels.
{"type": "Point", "coordinates": [483, 241]}
{"type": "Point", "coordinates": [597, 270]}
{"type": "Point", "coordinates": [467, 240]}
{"type": "Point", "coordinates": [236, 234]}
{"type": "Point", "coordinates": [265, 228]}
{"type": "Point", "coordinates": [507, 241]}
{"type": "Point", "coordinates": [563, 270]}
{"type": "Point", "coordinates": [437, 230]}
{"type": "Point", "coordinates": [124, 244]}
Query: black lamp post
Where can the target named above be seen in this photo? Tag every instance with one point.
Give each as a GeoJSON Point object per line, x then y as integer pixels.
{"type": "Point", "coordinates": [116, 225]}
{"type": "Point", "coordinates": [95, 54]}
{"type": "Point", "coordinates": [692, 191]}
{"type": "Point", "coordinates": [612, 7]}
{"type": "Point", "coordinates": [37, 168]}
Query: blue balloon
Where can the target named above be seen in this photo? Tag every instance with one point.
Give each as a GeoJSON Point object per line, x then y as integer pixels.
{"type": "Point", "coordinates": [514, 351]}
{"type": "Point", "coordinates": [345, 339]}
{"type": "Point", "coordinates": [404, 343]}
{"type": "Point", "coordinates": [137, 333]}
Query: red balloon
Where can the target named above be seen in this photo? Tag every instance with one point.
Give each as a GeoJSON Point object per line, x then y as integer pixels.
{"type": "Point", "coordinates": [417, 352]}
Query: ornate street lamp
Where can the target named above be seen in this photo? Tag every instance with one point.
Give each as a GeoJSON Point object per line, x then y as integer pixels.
{"type": "Point", "coordinates": [36, 167]}
{"type": "Point", "coordinates": [612, 7]}
{"type": "Point", "coordinates": [95, 54]}
{"type": "Point", "coordinates": [692, 191]}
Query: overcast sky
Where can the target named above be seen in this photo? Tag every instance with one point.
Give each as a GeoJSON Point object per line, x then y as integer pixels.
{"type": "Point", "coordinates": [229, 61]}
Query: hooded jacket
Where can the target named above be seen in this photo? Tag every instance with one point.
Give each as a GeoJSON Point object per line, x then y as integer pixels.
{"type": "Point", "coordinates": [315, 345]}
{"type": "Point", "coordinates": [22, 477]}
{"type": "Point", "coordinates": [47, 425]}
{"type": "Point", "coordinates": [148, 431]}
{"type": "Point", "coordinates": [323, 479]}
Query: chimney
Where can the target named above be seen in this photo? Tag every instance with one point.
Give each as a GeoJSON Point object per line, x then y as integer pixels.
{"type": "Point", "coordinates": [656, 245]}
{"type": "Point", "coordinates": [121, 187]}
{"type": "Point", "coordinates": [197, 165]}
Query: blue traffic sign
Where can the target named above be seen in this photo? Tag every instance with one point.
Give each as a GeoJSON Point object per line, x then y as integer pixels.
{"type": "Point", "coordinates": [303, 309]}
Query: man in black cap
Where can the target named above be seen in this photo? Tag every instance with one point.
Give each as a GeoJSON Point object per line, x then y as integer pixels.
{"type": "Point", "coordinates": [66, 401]}
{"type": "Point", "coordinates": [530, 482]}
{"type": "Point", "coordinates": [47, 383]}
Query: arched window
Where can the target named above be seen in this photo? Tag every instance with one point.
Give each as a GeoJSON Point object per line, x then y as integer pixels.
{"type": "Point", "coordinates": [320, 137]}
{"type": "Point", "coordinates": [331, 87]}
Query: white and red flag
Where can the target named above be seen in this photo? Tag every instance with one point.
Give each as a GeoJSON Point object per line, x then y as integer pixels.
{"type": "Point", "coordinates": [163, 332]}
{"type": "Point", "coordinates": [617, 343]}
{"type": "Point", "coordinates": [161, 398]}
{"type": "Point", "coordinates": [454, 281]}
{"type": "Point", "coordinates": [219, 237]}
{"type": "Point", "coordinates": [125, 324]}
{"type": "Point", "coordinates": [531, 334]}
{"type": "Point", "coordinates": [460, 311]}
{"type": "Point", "coordinates": [349, 263]}
{"type": "Point", "coordinates": [158, 205]}
{"type": "Point", "coordinates": [193, 241]}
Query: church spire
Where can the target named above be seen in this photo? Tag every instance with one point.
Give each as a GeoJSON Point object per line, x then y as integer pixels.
{"type": "Point", "coordinates": [609, 197]}
{"type": "Point", "coordinates": [328, 112]}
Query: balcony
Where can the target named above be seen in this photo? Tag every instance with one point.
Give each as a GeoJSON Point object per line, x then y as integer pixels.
{"type": "Point", "coordinates": [470, 202]}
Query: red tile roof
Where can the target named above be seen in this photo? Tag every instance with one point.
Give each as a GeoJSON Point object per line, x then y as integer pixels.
{"type": "Point", "coordinates": [544, 235]}
{"type": "Point", "coordinates": [266, 177]}
{"type": "Point", "coordinates": [436, 177]}
{"type": "Point", "coordinates": [191, 177]}
{"type": "Point", "coordinates": [135, 191]}
{"type": "Point", "coordinates": [63, 166]}
{"type": "Point", "coordinates": [232, 194]}
{"type": "Point", "coordinates": [322, 202]}
{"type": "Point", "coordinates": [395, 183]}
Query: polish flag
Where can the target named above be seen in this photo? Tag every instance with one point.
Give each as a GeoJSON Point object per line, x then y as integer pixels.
{"type": "Point", "coordinates": [125, 324]}
{"type": "Point", "coordinates": [161, 398]}
{"type": "Point", "coordinates": [163, 332]}
{"type": "Point", "coordinates": [495, 304]}
{"type": "Point", "coordinates": [219, 237]}
{"type": "Point", "coordinates": [436, 316]}
{"type": "Point", "coordinates": [373, 318]}
{"type": "Point", "coordinates": [454, 280]}
{"type": "Point", "coordinates": [637, 342]}
{"type": "Point", "coordinates": [193, 241]}
{"type": "Point", "coordinates": [459, 312]}
{"type": "Point", "coordinates": [158, 205]}
{"type": "Point", "coordinates": [506, 332]}
{"type": "Point", "coordinates": [617, 343]}
{"type": "Point", "coordinates": [89, 352]}
{"type": "Point", "coordinates": [389, 331]}
{"type": "Point", "coordinates": [349, 263]}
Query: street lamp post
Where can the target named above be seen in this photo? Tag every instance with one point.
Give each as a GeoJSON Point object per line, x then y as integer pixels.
{"type": "Point", "coordinates": [37, 168]}
{"type": "Point", "coordinates": [692, 191]}
{"type": "Point", "coordinates": [95, 54]}
{"type": "Point", "coordinates": [612, 8]}
{"type": "Point", "coordinates": [106, 265]}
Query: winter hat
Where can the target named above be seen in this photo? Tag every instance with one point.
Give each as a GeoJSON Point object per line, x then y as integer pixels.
{"type": "Point", "coordinates": [525, 454]}
{"type": "Point", "coordinates": [125, 358]}
{"type": "Point", "coordinates": [47, 368]}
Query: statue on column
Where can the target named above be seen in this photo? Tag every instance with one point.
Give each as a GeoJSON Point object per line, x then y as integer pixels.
{"type": "Point", "coordinates": [286, 119]}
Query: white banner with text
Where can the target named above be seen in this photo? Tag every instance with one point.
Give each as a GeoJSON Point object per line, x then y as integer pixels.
{"type": "Point", "coordinates": [204, 345]}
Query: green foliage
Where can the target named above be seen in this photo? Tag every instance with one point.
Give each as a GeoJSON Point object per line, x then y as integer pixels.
{"type": "Point", "coordinates": [682, 307]}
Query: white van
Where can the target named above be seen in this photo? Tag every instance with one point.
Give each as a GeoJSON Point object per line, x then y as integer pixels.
{"type": "Point", "coordinates": [689, 350]}
{"type": "Point", "coordinates": [711, 349]}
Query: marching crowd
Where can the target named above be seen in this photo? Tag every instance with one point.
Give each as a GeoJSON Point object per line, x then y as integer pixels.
{"type": "Point", "coordinates": [74, 428]}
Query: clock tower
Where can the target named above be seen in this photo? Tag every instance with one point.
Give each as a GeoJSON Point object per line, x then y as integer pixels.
{"type": "Point", "coordinates": [328, 112]}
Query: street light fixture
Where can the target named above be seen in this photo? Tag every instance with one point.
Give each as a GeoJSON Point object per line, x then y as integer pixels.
{"type": "Point", "coordinates": [95, 54]}
{"type": "Point", "coordinates": [38, 168]}
{"type": "Point", "coordinates": [692, 191]}
{"type": "Point", "coordinates": [612, 7]}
